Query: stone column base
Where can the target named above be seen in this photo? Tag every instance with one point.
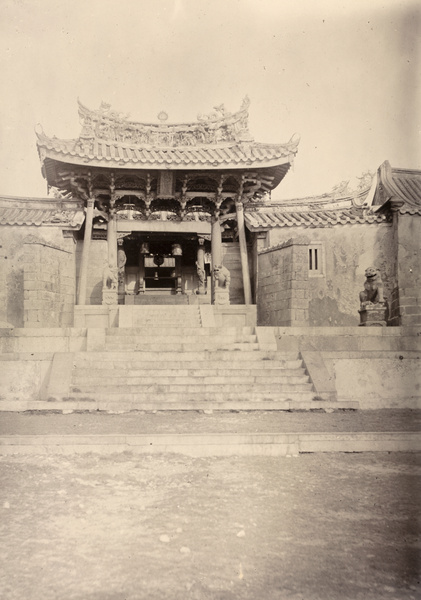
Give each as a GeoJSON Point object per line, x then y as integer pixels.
{"type": "Point", "coordinates": [373, 315]}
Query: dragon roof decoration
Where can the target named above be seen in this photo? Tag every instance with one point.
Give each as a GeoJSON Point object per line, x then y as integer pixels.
{"type": "Point", "coordinates": [220, 126]}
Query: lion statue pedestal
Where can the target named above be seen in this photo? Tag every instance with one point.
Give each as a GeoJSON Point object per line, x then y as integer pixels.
{"type": "Point", "coordinates": [373, 307]}
{"type": "Point", "coordinates": [221, 282]}
{"type": "Point", "coordinates": [110, 285]}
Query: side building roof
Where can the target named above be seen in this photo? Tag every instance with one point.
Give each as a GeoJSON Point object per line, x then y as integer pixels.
{"type": "Point", "coordinates": [46, 212]}
{"type": "Point", "coordinates": [400, 186]}
{"type": "Point", "coordinates": [341, 206]}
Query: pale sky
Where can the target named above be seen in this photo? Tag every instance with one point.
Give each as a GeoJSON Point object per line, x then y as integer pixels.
{"type": "Point", "coordinates": [344, 75]}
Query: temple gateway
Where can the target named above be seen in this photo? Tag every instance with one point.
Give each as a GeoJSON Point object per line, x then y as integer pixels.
{"type": "Point", "coordinates": [160, 213]}
{"type": "Point", "coordinates": [161, 273]}
{"type": "Point", "coordinates": [168, 201]}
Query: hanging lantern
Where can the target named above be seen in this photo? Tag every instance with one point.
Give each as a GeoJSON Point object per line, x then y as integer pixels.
{"type": "Point", "coordinates": [144, 248]}
{"type": "Point", "coordinates": [177, 250]}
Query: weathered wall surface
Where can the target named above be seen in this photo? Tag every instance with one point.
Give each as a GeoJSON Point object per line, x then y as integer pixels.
{"type": "Point", "coordinates": [14, 260]}
{"type": "Point", "coordinates": [347, 251]}
{"type": "Point", "coordinates": [49, 282]}
{"type": "Point", "coordinates": [23, 379]}
{"type": "Point", "coordinates": [387, 382]}
{"type": "Point", "coordinates": [11, 274]}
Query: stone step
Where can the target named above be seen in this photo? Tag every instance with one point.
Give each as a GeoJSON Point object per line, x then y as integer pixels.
{"type": "Point", "coordinates": [162, 334]}
{"type": "Point", "coordinates": [90, 405]}
{"type": "Point", "coordinates": [166, 309]}
{"type": "Point", "coordinates": [244, 346]}
{"type": "Point", "coordinates": [163, 346]}
{"type": "Point", "coordinates": [165, 322]}
{"type": "Point", "coordinates": [144, 400]}
{"type": "Point", "coordinates": [213, 444]}
{"type": "Point", "coordinates": [193, 388]}
{"type": "Point", "coordinates": [112, 341]}
{"type": "Point", "coordinates": [147, 364]}
{"type": "Point", "coordinates": [150, 379]}
{"type": "Point", "coordinates": [82, 373]}
{"type": "Point", "coordinates": [224, 356]}
{"type": "Point", "coordinates": [159, 307]}
{"type": "Point", "coordinates": [144, 300]}
{"type": "Point", "coordinates": [177, 331]}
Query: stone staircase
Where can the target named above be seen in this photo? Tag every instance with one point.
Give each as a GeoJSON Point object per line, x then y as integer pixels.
{"type": "Point", "coordinates": [169, 361]}
{"type": "Point", "coordinates": [158, 299]}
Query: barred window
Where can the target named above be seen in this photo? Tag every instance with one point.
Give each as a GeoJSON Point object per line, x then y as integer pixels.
{"type": "Point", "coordinates": [315, 260]}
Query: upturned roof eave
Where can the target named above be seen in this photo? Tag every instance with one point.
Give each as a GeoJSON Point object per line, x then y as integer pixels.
{"type": "Point", "coordinates": [105, 162]}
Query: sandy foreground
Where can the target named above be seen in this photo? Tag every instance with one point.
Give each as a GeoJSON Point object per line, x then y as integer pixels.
{"type": "Point", "coordinates": [125, 527]}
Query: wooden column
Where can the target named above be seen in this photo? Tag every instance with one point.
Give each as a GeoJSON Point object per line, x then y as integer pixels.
{"type": "Point", "coordinates": [243, 252]}
{"type": "Point", "coordinates": [83, 272]}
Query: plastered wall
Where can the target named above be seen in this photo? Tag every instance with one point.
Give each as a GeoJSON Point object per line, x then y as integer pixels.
{"type": "Point", "coordinates": [409, 269]}
{"type": "Point", "coordinates": [332, 298]}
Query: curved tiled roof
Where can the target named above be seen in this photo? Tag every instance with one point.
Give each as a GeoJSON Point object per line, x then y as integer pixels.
{"type": "Point", "coordinates": [103, 153]}
{"type": "Point", "coordinates": [403, 185]}
{"type": "Point", "coordinates": [37, 211]}
{"type": "Point", "coordinates": [314, 218]}
{"type": "Point", "coordinates": [220, 140]}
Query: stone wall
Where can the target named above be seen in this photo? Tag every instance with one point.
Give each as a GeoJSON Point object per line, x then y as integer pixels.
{"type": "Point", "coordinates": [330, 297]}
{"type": "Point", "coordinates": [48, 283]}
{"type": "Point", "coordinates": [15, 254]}
{"type": "Point", "coordinates": [282, 297]}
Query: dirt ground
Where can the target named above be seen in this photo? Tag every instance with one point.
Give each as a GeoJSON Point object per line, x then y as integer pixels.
{"type": "Point", "coordinates": [128, 527]}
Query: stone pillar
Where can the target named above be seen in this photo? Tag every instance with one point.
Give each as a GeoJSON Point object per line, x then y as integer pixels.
{"type": "Point", "coordinates": [83, 272]}
{"type": "Point", "coordinates": [112, 239]}
{"type": "Point", "coordinates": [216, 242]}
{"type": "Point", "coordinates": [121, 264]}
{"type": "Point", "coordinates": [200, 266]}
{"type": "Point", "coordinates": [110, 277]}
{"type": "Point", "coordinates": [243, 252]}
{"type": "Point", "coordinates": [219, 295]}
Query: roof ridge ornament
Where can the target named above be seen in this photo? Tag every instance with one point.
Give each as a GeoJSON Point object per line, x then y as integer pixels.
{"type": "Point", "coordinates": [219, 127]}
{"type": "Point", "coordinates": [163, 116]}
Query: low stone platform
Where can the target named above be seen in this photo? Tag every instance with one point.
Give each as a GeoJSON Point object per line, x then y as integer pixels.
{"type": "Point", "coordinates": [224, 434]}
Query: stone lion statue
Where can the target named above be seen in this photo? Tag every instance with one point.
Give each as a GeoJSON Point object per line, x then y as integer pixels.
{"type": "Point", "coordinates": [221, 276]}
{"type": "Point", "coordinates": [373, 288]}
